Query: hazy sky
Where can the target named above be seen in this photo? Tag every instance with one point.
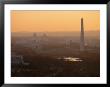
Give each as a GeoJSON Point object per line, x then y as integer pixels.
{"type": "Point", "coordinates": [50, 21]}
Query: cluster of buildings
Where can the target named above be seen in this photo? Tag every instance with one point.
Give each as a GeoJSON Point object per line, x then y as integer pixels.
{"type": "Point", "coordinates": [36, 42]}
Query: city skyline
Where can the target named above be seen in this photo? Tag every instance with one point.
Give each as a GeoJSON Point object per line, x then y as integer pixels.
{"type": "Point", "coordinates": [54, 21]}
{"type": "Point", "coordinates": [60, 54]}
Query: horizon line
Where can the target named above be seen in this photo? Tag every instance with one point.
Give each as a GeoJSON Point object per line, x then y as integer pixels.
{"type": "Point", "coordinates": [53, 31]}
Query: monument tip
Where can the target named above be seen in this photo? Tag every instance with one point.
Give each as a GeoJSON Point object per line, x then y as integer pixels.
{"type": "Point", "coordinates": [81, 18]}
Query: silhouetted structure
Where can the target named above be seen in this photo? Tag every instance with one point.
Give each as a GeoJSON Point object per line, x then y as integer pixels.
{"type": "Point", "coordinates": [34, 37]}
{"type": "Point", "coordinates": [36, 41]}
{"type": "Point", "coordinates": [82, 36]}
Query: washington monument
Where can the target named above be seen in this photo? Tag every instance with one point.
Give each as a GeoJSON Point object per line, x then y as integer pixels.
{"type": "Point", "coordinates": [82, 36]}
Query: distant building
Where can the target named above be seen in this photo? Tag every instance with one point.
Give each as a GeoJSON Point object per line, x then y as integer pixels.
{"type": "Point", "coordinates": [34, 35]}
{"type": "Point", "coordinates": [44, 38]}
{"type": "Point", "coordinates": [82, 43]}
{"type": "Point", "coordinates": [18, 60]}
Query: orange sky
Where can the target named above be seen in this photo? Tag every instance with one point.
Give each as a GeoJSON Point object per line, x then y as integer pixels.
{"type": "Point", "coordinates": [50, 21]}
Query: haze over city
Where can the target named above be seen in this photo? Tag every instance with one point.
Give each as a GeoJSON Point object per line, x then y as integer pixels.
{"type": "Point", "coordinates": [55, 43]}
